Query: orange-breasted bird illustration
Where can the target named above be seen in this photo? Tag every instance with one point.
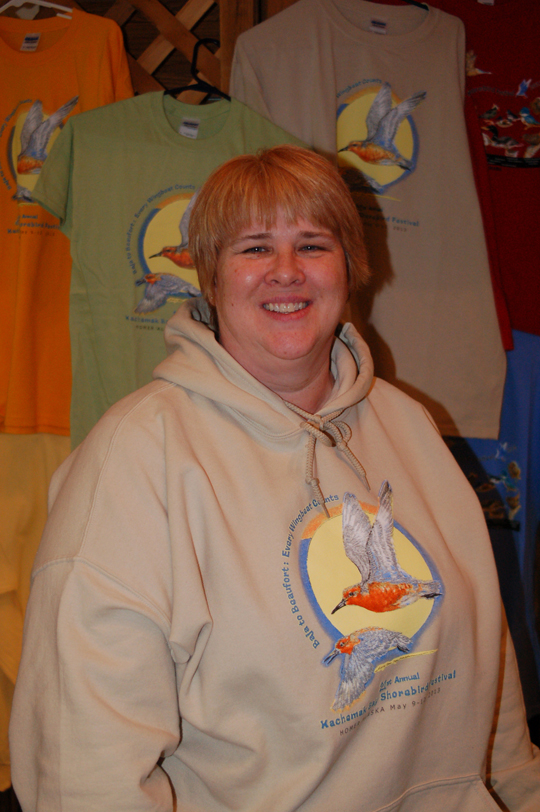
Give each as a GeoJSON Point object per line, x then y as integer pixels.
{"type": "Point", "coordinates": [382, 122]}
{"type": "Point", "coordinates": [179, 254]}
{"type": "Point", "coordinates": [384, 585]}
{"type": "Point", "coordinates": [35, 135]}
{"type": "Point", "coordinates": [360, 649]}
{"type": "Point", "coordinates": [159, 286]}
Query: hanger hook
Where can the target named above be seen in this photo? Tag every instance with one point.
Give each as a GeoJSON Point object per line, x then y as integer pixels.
{"type": "Point", "coordinates": [205, 41]}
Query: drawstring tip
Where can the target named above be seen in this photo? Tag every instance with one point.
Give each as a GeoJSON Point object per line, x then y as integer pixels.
{"type": "Point", "coordinates": [313, 482]}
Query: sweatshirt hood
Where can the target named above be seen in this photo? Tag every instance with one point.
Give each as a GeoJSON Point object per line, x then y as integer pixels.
{"type": "Point", "coordinates": [195, 356]}
{"type": "Point", "coordinates": [198, 363]}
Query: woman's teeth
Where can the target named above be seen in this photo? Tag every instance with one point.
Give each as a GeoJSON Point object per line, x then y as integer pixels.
{"type": "Point", "coordinates": [287, 307]}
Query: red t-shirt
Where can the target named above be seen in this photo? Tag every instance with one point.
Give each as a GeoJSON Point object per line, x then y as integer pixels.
{"type": "Point", "coordinates": [503, 83]}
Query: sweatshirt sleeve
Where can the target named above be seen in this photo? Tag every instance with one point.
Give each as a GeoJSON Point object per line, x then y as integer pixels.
{"type": "Point", "coordinates": [96, 704]}
{"type": "Point", "coordinates": [97, 686]}
{"type": "Point", "coordinates": [517, 787]}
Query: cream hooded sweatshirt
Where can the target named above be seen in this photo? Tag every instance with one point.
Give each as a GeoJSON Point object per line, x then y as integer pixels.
{"type": "Point", "coordinates": [196, 638]}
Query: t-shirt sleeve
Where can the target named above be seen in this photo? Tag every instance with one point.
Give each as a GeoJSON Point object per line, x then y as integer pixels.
{"type": "Point", "coordinates": [123, 89]}
{"type": "Point", "coordinates": [481, 178]}
{"type": "Point", "coordinates": [53, 187]}
{"type": "Point", "coordinates": [244, 83]}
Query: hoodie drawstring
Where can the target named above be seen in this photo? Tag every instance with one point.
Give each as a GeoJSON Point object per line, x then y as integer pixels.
{"type": "Point", "coordinates": [319, 428]}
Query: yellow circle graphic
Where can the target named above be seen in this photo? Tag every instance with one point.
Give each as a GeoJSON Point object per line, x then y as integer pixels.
{"type": "Point", "coordinates": [29, 178]}
{"type": "Point", "coordinates": [163, 231]}
{"type": "Point", "coordinates": [352, 130]}
{"type": "Point", "coordinates": [330, 571]}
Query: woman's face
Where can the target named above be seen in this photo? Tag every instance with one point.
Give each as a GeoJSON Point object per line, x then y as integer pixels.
{"type": "Point", "coordinates": [279, 294]}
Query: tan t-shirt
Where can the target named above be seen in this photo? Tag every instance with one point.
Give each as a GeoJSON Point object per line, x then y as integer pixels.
{"type": "Point", "coordinates": [382, 88]}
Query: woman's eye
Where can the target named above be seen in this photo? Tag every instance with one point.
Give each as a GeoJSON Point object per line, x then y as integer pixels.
{"type": "Point", "coordinates": [311, 247]}
{"type": "Point", "coordinates": [255, 249]}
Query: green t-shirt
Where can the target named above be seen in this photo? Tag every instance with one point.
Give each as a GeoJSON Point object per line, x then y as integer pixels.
{"type": "Point", "coordinates": [120, 179]}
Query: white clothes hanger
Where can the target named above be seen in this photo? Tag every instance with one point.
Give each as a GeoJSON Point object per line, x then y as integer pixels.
{"type": "Point", "coordinates": [64, 11]}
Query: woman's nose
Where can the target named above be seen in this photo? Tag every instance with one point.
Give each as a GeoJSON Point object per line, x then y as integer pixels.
{"type": "Point", "coordinates": [286, 269]}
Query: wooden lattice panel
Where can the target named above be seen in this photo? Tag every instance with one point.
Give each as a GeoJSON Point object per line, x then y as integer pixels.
{"type": "Point", "coordinates": [175, 32]}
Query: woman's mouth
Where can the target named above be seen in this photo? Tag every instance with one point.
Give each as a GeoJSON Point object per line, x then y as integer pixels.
{"type": "Point", "coordinates": [285, 307]}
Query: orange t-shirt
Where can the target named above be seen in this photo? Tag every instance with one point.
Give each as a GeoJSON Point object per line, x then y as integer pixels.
{"type": "Point", "coordinates": [49, 69]}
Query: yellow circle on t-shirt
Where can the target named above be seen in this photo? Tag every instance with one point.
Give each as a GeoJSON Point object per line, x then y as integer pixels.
{"type": "Point", "coordinates": [352, 126]}
{"type": "Point", "coordinates": [162, 230]}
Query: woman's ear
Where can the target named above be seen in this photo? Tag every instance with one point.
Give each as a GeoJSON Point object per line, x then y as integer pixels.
{"type": "Point", "coordinates": [348, 266]}
{"type": "Point", "coordinates": [211, 295]}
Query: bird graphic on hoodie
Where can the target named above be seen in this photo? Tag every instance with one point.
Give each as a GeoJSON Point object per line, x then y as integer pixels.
{"type": "Point", "coordinates": [384, 586]}
{"type": "Point", "coordinates": [359, 650]}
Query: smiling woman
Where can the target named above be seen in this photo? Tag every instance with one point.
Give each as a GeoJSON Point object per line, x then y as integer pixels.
{"type": "Point", "coordinates": [222, 582]}
{"type": "Point", "coordinates": [278, 268]}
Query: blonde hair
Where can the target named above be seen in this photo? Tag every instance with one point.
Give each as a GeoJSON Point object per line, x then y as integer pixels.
{"type": "Point", "coordinates": [252, 188]}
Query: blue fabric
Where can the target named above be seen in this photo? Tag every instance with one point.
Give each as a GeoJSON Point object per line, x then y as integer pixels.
{"type": "Point", "coordinates": [505, 473]}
